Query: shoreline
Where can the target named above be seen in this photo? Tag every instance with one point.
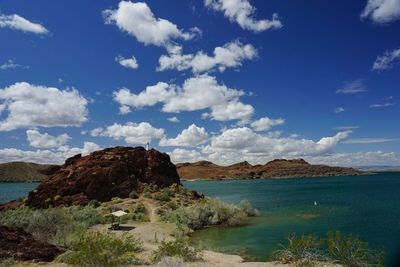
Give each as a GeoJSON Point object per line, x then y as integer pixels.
{"type": "Point", "coordinates": [279, 177]}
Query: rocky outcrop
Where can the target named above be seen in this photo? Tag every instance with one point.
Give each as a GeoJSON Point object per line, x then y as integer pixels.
{"type": "Point", "coordinates": [17, 244]}
{"type": "Point", "coordinates": [112, 172]}
{"type": "Point", "coordinates": [279, 168]}
{"type": "Point", "coordinates": [23, 172]}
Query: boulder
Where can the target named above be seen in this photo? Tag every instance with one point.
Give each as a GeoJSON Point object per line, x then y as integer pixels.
{"type": "Point", "coordinates": [17, 244]}
{"type": "Point", "coordinates": [102, 175]}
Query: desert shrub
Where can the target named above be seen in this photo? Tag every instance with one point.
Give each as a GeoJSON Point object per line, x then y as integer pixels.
{"type": "Point", "coordinates": [207, 212]}
{"type": "Point", "coordinates": [247, 208]}
{"type": "Point", "coordinates": [308, 250]}
{"type": "Point", "coordinates": [351, 251]}
{"type": "Point", "coordinates": [303, 251]}
{"type": "Point", "coordinates": [116, 200]}
{"type": "Point", "coordinates": [171, 205]}
{"type": "Point", "coordinates": [139, 208]}
{"type": "Point", "coordinates": [94, 203]}
{"type": "Point", "coordinates": [162, 196]}
{"type": "Point", "coordinates": [138, 217]}
{"type": "Point", "coordinates": [133, 195]}
{"type": "Point", "coordinates": [102, 250]}
{"type": "Point", "coordinates": [5, 262]}
{"type": "Point", "coordinates": [54, 225]}
{"type": "Point", "coordinates": [178, 248]}
{"type": "Point", "coordinates": [150, 188]}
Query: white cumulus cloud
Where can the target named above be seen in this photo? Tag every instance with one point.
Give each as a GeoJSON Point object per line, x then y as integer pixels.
{"type": "Point", "coordinates": [39, 140]}
{"type": "Point", "coordinates": [189, 137]}
{"type": "Point", "coordinates": [131, 133]}
{"type": "Point", "coordinates": [382, 11]}
{"type": "Point", "coordinates": [243, 13]}
{"type": "Point", "coordinates": [173, 119]}
{"type": "Point", "coordinates": [47, 156]}
{"type": "Point", "coordinates": [179, 155]}
{"type": "Point", "coordinates": [17, 22]}
{"type": "Point", "coordinates": [139, 21]}
{"type": "Point", "coordinates": [196, 93]}
{"type": "Point", "coordinates": [265, 123]}
{"type": "Point", "coordinates": [130, 63]}
{"type": "Point", "coordinates": [230, 55]}
{"type": "Point", "coordinates": [238, 144]}
{"type": "Point", "coordinates": [33, 106]}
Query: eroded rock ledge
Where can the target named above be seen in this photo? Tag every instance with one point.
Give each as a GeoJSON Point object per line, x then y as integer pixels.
{"type": "Point", "coordinates": [112, 172]}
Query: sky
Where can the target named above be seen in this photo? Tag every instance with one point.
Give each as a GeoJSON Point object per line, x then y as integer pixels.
{"type": "Point", "coordinates": [219, 80]}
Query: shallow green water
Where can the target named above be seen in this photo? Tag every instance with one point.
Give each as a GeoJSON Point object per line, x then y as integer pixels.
{"type": "Point", "coordinates": [11, 191]}
{"type": "Point", "coordinates": [368, 206]}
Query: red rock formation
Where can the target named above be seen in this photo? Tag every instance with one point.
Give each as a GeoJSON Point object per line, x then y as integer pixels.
{"type": "Point", "coordinates": [112, 172]}
{"type": "Point", "coordinates": [17, 244]}
{"type": "Point", "coordinates": [278, 168]}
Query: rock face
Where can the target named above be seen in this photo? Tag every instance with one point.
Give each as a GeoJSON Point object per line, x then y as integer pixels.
{"type": "Point", "coordinates": [112, 172]}
{"type": "Point", "coordinates": [17, 244]}
{"type": "Point", "coordinates": [23, 172]}
{"type": "Point", "coordinates": [279, 168]}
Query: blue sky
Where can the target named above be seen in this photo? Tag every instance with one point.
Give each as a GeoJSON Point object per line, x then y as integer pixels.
{"type": "Point", "coordinates": [221, 80]}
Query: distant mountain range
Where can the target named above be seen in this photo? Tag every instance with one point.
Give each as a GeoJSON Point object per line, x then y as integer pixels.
{"type": "Point", "coordinates": [23, 172]}
{"type": "Point", "coordinates": [279, 168]}
{"type": "Point", "coordinates": [379, 168]}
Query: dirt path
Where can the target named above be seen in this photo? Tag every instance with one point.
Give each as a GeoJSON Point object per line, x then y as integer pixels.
{"type": "Point", "coordinates": [151, 210]}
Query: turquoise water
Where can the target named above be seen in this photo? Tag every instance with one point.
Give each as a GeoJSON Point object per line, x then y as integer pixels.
{"type": "Point", "coordinates": [368, 206]}
{"type": "Point", "coordinates": [11, 191]}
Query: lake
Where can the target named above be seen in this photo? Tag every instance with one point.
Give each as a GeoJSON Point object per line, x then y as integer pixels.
{"type": "Point", "coordinates": [368, 206]}
{"type": "Point", "coordinates": [11, 191]}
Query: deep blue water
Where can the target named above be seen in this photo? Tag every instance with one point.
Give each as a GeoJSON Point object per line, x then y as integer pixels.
{"type": "Point", "coordinates": [11, 191]}
{"type": "Point", "coordinates": [368, 206]}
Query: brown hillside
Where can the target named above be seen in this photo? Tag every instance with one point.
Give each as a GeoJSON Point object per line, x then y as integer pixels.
{"type": "Point", "coordinates": [279, 168]}
{"type": "Point", "coordinates": [23, 172]}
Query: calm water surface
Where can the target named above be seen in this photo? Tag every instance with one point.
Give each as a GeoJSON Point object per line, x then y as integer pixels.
{"type": "Point", "coordinates": [368, 206]}
{"type": "Point", "coordinates": [11, 191]}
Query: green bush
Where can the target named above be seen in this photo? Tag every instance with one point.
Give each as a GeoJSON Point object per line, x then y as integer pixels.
{"type": "Point", "coordinates": [162, 196]}
{"type": "Point", "coordinates": [138, 217]}
{"type": "Point", "coordinates": [309, 250]}
{"type": "Point", "coordinates": [178, 248]}
{"type": "Point", "coordinates": [102, 250]}
{"type": "Point", "coordinates": [303, 251]}
{"type": "Point", "coordinates": [116, 200]}
{"type": "Point", "coordinates": [150, 188]}
{"type": "Point", "coordinates": [94, 203]}
{"type": "Point", "coordinates": [139, 208]}
{"type": "Point", "coordinates": [207, 212]}
{"type": "Point", "coordinates": [5, 262]}
{"type": "Point", "coordinates": [54, 225]}
{"type": "Point", "coordinates": [351, 251]}
{"type": "Point", "coordinates": [134, 195]}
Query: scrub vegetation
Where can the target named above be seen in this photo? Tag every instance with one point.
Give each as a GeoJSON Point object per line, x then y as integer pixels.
{"type": "Point", "coordinates": [309, 250]}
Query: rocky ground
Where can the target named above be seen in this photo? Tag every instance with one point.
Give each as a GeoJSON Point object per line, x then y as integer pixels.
{"type": "Point", "coordinates": [16, 243]}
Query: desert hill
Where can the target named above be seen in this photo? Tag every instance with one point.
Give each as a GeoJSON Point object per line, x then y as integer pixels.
{"type": "Point", "coordinates": [23, 172]}
{"type": "Point", "coordinates": [279, 168]}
